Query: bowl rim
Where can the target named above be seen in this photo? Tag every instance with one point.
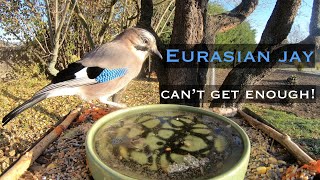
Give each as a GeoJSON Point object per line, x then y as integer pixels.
{"type": "Point", "coordinates": [89, 145]}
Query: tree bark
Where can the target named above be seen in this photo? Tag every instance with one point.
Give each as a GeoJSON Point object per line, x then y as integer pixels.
{"type": "Point", "coordinates": [188, 31]}
{"type": "Point", "coordinates": [276, 31]}
{"type": "Point", "coordinates": [226, 21]}
{"type": "Point", "coordinates": [314, 27]}
{"type": "Point", "coordinates": [146, 7]}
{"type": "Point", "coordinates": [52, 64]}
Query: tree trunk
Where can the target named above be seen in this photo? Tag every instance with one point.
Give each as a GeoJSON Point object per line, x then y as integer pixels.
{"type": "Point", "coordinates": [57, 35]}
{"type": "Point", "coordinates": [314, 27]}
{"type": "Point", "coordinates": [188, 30]}
{"type": "Point", "coordinates": [146, 13]}
{"type": "Point", "coordinates": [52, 65]}
{"type": "Point", "coordinates": [192, 28]}
{"type": "Point", "coordinates": [276, 31]}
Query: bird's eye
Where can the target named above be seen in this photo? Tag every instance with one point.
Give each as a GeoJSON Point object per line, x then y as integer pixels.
{"type": "Point", "coordinates": [145, 41]}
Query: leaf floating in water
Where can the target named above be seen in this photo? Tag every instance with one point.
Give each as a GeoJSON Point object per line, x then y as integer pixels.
{"type": "Point", "coordinates": [139, 157]}
{"type": "Point", "coordinates": [123, 152]}
{"type": "Point", "coordinates": [165, 133]}
{"type": "Point", "coordinates": [176, 123]}
{"type": "Point", "coordinates": [220, 143]}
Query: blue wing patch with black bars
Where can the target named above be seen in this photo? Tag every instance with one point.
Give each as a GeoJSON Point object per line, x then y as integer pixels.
{"type": "Point", "coordinates": [110, 74]}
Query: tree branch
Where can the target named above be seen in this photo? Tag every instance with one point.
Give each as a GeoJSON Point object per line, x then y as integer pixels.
{"type": "Point", "coordinates": [283, 139]}
{"type": "Point", "coordinates": [146, 13]}
{"type": "Point", "coordinates": [106, 24]}
{"type": "Point", "coordinates": [49, 22]}
{"type": "Point", "coordinates": [61, 23]}
{"type": "Point", "coordinates": [314, 27]}
{"type": "Point", "coordinates": [84, 23]}
{"type": "Point", "coordinates": [225, 21]}
{"type": "Point", "coordinates": [67, 25]}
{"type": "Point", "coordinates": [280, 22]}
{"type": "Point", "coordinates": [163, 14]}
{"type": "Point", "coordinates": [165, 23]}
{"type": "Point", "coordinates": [56, 16]}
{"type": "Point", "coordinates": [250, 73]}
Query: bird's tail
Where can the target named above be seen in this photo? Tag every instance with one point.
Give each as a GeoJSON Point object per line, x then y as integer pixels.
{"type": "Point", "coordinates": [29, 103]}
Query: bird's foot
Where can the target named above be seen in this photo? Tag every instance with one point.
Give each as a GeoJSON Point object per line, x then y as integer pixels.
{"type": "Point", "coordinates": [113, 104]}
{"type": "Point", "coordinates": [117, 105]}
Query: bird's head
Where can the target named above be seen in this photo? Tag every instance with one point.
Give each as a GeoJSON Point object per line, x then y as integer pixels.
{"type": "Point", "coordinates": [141, 41]}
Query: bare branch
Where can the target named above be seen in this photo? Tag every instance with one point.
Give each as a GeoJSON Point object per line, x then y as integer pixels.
{"type": "Point", "coordinates": [165, 23]}
{"type": "Point", "coordinates": [283, 139]}
{"type": "Point", "coordinates": [61, 23]}
{"type": "Point", "coordinates": [49, 22]}
{"type": "Point", "coordinates": [106, 24]}
{"type": "Point", "coordinates": [163, 14]}
{"type": "Point", "coordinates": [225, 21]}
{"type": "Point", "coordinates": [46, 43]}
{"type": "Point", "coordinates": [56, 15]}
{"type": "Point", "coordinates": [67, 24]}
{"type": "Point", "coordinates": [36, 39]}
{"type": "Point", "coordinates": [84, 23]}
{"type": "Point", "coordinates": [280, 22]}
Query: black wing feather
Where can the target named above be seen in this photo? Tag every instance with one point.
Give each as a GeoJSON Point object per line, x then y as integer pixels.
{"type": "Point", "coordinates": [93, 72]}
{"type": "Point", "coordinates": [68, 73]}
{"type": "Point", "coordinates": [73, 68]}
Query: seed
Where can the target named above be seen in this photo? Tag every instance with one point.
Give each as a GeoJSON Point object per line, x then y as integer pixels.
{"type": "Point", "coordinates": [281, 162]}
{"type": "Point", "coordinates": [272, 160]}
{"type": "Point", "coordinates": [261, 170]}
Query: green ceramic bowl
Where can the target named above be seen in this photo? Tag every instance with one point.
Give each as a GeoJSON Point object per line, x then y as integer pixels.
{"type": "Point", "coordinates": [100, 170]}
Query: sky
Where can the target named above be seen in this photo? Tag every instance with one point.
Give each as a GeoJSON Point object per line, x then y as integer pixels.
{"type": "Point", "coordinates": [258, 19]}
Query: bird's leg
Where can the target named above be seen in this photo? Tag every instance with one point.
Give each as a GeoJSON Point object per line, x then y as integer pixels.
{"type": "Point", "coordinates": [114, 104]}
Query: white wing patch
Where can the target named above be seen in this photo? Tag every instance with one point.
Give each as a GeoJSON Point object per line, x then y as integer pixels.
{"type": "Point", "coordinates": [82, 73]}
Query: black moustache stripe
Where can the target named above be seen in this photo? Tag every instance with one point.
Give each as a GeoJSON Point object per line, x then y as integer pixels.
{"type": "Point", "coordinates": [141, 48]}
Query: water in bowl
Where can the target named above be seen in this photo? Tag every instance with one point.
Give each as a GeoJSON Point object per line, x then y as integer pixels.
{"type": "Point", "coordinates": [167, 145]}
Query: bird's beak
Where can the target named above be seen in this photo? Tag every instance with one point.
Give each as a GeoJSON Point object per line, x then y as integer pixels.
{"type": "Point", "coordinates": [156, 52]}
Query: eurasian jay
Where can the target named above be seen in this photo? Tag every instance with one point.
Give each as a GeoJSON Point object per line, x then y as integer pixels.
{"type": "Point", "coordinates": [101, 73]}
